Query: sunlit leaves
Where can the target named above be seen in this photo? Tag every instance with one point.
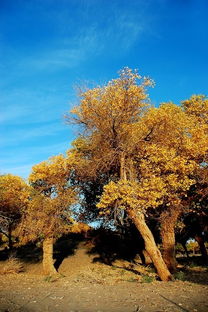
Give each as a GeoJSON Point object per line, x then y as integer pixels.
{"type": "Point", "coordinates": [161, 148]}
{"type": "Point", "coordinates": [14, 193]}
{"type": "Point", "coordinates": [105, 109]}
{"type": "Point", "coordinates": [132, 195]}
{"type": "Point", "coordinates": [49, 209]}
{"type": "Point", "coordinates": [52, 173]}
{"type": "Point", "coordinates": [197, 106]}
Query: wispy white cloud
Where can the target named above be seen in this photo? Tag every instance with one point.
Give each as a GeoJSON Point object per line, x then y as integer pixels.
{"type": "Point", "coordinates": [129, 30]}
{"type": "Point", "coordinates": [24, 105]}
{"type": "Point", "coordinates": [31, 153]}
{"type": "Point", "coordinates": [20, 135]}
{"type": "Point", "coordinates": [63, 53]}
{"type": "Point", "coordinates": [126, 25]}
{"type": "Point", "coordinates": [32, 113]}
{"type": "Point", "coordinates": [24, 160]}
{"type": "Point", "coordinates": [118, 35]}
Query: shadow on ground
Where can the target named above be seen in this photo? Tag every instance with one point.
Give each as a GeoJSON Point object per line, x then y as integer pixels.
{"type": "Point", "coordinates": [193, 269]}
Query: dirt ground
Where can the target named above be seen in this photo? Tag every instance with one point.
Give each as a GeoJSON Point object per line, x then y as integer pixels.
{"type": "Point", "coordinates": [86, 285]}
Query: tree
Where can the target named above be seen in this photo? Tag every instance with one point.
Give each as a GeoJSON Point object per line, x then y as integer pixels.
{"type": "Point", "coordinates": [14, 198]}
{"type": "Point", "coordinates": [197, 108]}
{"type": "Point", "coordinates": [49, 213]}
{"type": "Point", "coordinates": [177, 146]}
{"type": "Point", "coordinates": [114, 137]}
{"type": "Point", "coordinates": [166, 158]}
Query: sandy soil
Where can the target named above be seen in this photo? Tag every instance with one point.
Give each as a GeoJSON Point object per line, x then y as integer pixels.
{"type": "Point", "coordinates": [95, 287]}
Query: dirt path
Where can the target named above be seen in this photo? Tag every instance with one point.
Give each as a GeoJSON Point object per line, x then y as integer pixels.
{"type": "Point", "coordinates": [88, 286]}
{"type": "Point", "coordinates": [23, 293]}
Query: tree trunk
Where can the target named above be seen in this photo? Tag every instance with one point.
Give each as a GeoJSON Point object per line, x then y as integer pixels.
{"type": "Point", "coordinates": [146, 234]}
{"type": "Point", "coordinates": [202, 247]}
{"type": "Point", "coordinates": [185, 249]}
{"type": "Point", "coordinates": [10, 243]}
{"type": "Point", "coordinates": [48, 265]}
{"type": "Point", "coordinates": [123, 167]}
{"type": "Point", "coordinates": [168, 245]}
{"type": "Point", "coordinates": [150, 245]}
{"type": "Point", "coordinates": [145, 258]}
{"type": "Point", "coordinates": [168, 221]}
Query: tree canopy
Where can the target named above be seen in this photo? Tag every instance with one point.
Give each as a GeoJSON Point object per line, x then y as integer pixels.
{"type": "Point", "coordinates": [14, 199]}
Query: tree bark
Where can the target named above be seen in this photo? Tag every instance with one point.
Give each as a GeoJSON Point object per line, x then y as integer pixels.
{"type": "Point", "coordinates": [10, 243]}
{"type": "Point", "coordinates": [150, 245]}
{"type": "Point", "coordinates": [202, 247]}
{"type": "Point", "coordinates": [48, 263]}
{"type": "Point", "coordinates": [123, 167]}
{"type": "Point", "coordinates": [145, 258]}
{"type": "Point", "coordinates": [168, 246]}
{"type": "Point", "coordinates": [168, 221]}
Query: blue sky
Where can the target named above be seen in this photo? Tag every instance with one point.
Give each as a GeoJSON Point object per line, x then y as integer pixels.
{"type": "Point", "coordinates": [48, 47]}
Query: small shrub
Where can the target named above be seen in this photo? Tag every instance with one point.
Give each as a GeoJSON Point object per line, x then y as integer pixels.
{"type": "Point", "coordinates": [147, 279]}
{"type": "Point", "coordinates": [192, 264]}
{"type": "Point", "coordinates": [12, 266]}
{"type": "Point", "coordinates": [180, 276]}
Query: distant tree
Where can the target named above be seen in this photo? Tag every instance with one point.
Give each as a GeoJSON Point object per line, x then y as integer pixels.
{"type": "Point", "coordinates": [196, 227]}
{"type": "Point", "coordinates": [14, 199]}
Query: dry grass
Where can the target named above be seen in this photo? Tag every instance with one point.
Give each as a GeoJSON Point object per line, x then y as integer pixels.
{"type": "Point", "coordinates": [12, 266]}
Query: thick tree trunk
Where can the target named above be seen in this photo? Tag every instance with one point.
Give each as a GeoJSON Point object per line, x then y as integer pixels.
{"type": "Point", "coordinates": [168, 221]}
{"type": "Point", "coordinates": [48, 263]}
{"type": "Point", "coordinates": [150, 245]}
{"type": "Point", "coordinates": [168, 245]}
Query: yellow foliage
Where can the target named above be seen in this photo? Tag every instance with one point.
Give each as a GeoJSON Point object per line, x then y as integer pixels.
{"type": "Point", "coordinates": [104, 110]}
{"type": "Point", "coordinates": [79, 227]}
{"type": "Point", "coordinates": [14, 193]}
{"type": "Point", "coordinates": [52, 172]}
{"type": "Point", "coordinates": [150, 155]}
{"type": "Point", "coordinates": [197, 107]}
{"type": "Point", "coordinates": [133, 195]}
{"type": "Point", "coordinates": [49, 209]}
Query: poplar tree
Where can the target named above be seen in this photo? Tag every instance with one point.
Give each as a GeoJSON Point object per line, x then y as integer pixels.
{"type": "Point", "coordinates": [109, 116]}
{"type": "Point", "coordinates": [49, 212]}
{"type": "Point", "coordinates": [14, 199]}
